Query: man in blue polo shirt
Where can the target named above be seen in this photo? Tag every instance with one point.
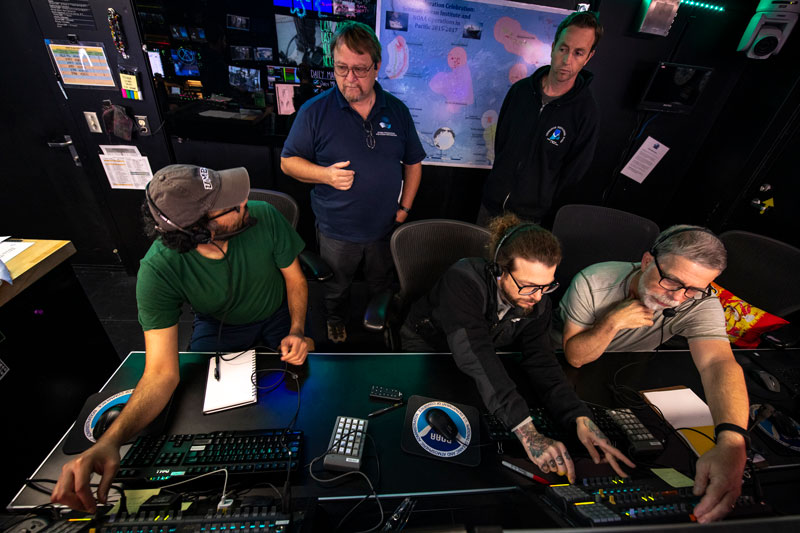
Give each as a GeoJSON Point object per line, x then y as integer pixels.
{"type": "Point", "coordinates": [358, 145]}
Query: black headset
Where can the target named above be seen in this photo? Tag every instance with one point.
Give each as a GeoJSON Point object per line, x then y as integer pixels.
{"type": "Point", "coordinates": [673, 311]}
{"type": "Point", "coordinates": [494, 268]}
{"type": "Point", "coordinates": [199, 235]}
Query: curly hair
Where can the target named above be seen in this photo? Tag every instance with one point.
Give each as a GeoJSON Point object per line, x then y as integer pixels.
{"type": "Point", "coordinates": [175, 240]}
{"type": "Point", "coordinates": [531, 242]}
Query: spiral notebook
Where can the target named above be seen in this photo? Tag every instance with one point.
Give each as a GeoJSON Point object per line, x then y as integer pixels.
{"type": "Point", "coordinates": [235, 385]}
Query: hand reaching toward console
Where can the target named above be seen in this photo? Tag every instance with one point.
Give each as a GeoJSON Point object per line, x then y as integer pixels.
{"type": "Point", "coordinates": [592, 438]}
{"type": "Point", "coordinates": [548, 454]}
{"type": "Point", "coordinates": [73, 488]}
{"type": "Point", "coordinates": [719, 477]}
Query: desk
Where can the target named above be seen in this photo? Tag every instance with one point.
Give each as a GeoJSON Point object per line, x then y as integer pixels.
{"type": "Point", "coordinates": [56, 351]}
{"type": "Point", "coordinates": [336, 384]}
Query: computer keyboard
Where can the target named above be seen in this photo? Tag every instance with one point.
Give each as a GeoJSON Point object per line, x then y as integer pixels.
{"type": "Point", "coordinates": [163, 459]}
{"type": "Point", "coordinates": [621, 426]}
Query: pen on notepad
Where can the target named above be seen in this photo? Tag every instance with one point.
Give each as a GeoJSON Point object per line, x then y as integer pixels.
{"type": "Point", "coordinates": [385, 409]}
{"type": "Point", "coordinates": [525, 473]}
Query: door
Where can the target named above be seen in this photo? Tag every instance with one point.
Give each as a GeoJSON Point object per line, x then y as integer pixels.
{"type": "Point", "coordinates": [51, 195]}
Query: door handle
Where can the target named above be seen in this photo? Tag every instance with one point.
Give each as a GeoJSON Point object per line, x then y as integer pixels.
{"type": "Point", "coordinates": [68, 144]}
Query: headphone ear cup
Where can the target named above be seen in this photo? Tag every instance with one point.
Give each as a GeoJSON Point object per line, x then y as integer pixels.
{"type": "Point", "coordinates": [201, 236]}
{"type": "Point", "coordinates": [495, 270]}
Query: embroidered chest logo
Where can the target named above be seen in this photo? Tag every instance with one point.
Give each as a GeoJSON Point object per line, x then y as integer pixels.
{"type": "Point", "coordinates": [556, 135]}
{"type": "Point", "coordinates": [385, 125]}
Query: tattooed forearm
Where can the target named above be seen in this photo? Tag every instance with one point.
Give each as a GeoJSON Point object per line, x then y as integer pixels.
{"type": "Point", "coordinates": [591, 426]}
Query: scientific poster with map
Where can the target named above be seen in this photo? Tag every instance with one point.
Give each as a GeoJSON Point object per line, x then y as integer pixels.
{"type": "Point", "coordinates": [452, 63]}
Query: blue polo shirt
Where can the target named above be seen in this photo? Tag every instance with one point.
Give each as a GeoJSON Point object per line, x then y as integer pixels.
{"type": "Point", "coordinates": [326, 131]}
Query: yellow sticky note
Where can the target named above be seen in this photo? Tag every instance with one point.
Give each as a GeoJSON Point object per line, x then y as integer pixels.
{"type": "Point", "coordinates": [672, 477]}
{"type": "Point", "coordinates": [135, 500]}
{"type": "Point", "coordinates": [128, 82]}
{"type": "Point", "coordinates": [185, 505]}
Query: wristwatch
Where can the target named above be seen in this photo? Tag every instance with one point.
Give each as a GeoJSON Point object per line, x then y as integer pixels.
{"type": "Point", "coordinates": [732, 427]}
{"type": "Point", "coordinates": [401, 207]}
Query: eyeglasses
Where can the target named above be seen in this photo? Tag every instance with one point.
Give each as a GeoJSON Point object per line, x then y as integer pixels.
{"type": "Point", "coordinates": [673, 285]}
{"type": "Point", "coordinates": [359, 71]}
{"type": "Point", "coordinates": [370, 137]}
{"type": "Point", "coordinates": [237, 208]}
{"type": "Point", "coordinates": [526, 290]}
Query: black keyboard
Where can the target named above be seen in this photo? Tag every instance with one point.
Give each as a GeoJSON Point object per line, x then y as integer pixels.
{"type": "Point", "coordinates": [156, 460]}
{"type": "Point", "coordinates": [621, 426]}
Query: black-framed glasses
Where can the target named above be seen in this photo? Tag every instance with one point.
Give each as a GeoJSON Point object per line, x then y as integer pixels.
{"type": "Point", "coordinates": [526, 290]}
{"type": "Point", "coordinates": [673, 285]}
{"type": "Point", "coordinates": [237, 208]}
{"type": "Point", "coordinates": [370, 137]}
{"type": "Point", "coordinates": [359, 71]}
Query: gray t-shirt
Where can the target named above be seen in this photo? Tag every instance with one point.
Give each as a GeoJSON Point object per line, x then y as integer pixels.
{"type": "Point", "coordinates": [595, 290]}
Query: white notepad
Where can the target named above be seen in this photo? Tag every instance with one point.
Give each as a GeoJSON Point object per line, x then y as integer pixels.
{"type": "Point", "coordinates": [235, 386]}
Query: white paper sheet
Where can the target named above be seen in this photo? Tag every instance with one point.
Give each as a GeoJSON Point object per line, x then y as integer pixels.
{"type": "Point", "coordinates": [644, 160]}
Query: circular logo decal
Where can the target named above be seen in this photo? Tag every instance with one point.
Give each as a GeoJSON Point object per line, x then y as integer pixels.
{"type": "Point", "coordinates": [556, 135]}
{"type": "Point", "coordinates": [91, 420]}
{"type": "Point", "coordinates": [434, 443]}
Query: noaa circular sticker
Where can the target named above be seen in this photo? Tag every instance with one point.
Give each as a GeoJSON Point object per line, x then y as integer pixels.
{"type": "Point", "coordinates": [556, 135]}
{"type": "Point", "coordinates": [91, 420]}
{"type": "Point", "coordinates": [434, 443]}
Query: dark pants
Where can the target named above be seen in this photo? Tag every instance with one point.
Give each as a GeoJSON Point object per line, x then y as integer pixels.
{"type": "Point", "coordinates": [344, 257]}
{"type": "Point", "coordinates": [268, 332]}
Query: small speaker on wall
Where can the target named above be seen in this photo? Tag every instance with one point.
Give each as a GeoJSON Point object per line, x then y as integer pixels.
{"type": "Point", "coordinates": [769, 28]}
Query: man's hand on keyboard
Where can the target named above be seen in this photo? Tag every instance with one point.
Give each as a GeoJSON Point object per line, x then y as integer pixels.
{"type": "Point", "coordinates": [73, 489]}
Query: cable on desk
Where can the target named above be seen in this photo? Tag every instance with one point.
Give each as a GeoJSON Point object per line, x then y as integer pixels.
{"type": "Point", "coordinates": [373, 492]}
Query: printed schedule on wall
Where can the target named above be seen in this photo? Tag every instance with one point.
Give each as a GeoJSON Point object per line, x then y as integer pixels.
{"type": "Point", "coordinates": [82, 64]}
{"type": "Point", "coordinates": [452, 63]}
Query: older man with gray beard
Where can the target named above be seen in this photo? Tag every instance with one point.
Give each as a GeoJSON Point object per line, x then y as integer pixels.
{"type": "Point", "coordinates": [619, 306]}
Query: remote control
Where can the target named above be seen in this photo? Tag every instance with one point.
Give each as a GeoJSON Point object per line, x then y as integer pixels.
{"type": "Point", "coordinates": [385, 394]}
{"type": "Point", "coordinates": [347, 444]}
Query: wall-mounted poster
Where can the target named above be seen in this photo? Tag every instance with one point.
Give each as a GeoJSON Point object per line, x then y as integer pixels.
{"type": "Point", "coordinates": [453, 62]}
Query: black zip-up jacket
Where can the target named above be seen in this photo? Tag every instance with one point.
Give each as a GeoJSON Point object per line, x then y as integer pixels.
{"type": "Point", "coordinates": [539, 150]}
{"type": "Point", "coordinates": [460, 313]}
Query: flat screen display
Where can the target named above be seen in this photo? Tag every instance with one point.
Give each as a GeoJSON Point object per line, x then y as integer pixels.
{"type": "Point", "coordinates": [154, 56]}
{"type": "Point", "coordinates": [185, 62]}
{"type": "Point", "coordinates": [675, 88]}
{"type": "Point", "coordinates": [245, 79]}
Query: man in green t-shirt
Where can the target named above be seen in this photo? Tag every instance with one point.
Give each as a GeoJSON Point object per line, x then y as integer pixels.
{"type": "Point", "coordinates": [235, 262]}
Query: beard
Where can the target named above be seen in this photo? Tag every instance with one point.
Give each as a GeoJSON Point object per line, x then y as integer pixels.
{"type": "Point", "coordinates": [654, 302]}
{"type": "Point", "coordinates": [511, 299]}
{"type": "Point", "coordinates": [224, 229]}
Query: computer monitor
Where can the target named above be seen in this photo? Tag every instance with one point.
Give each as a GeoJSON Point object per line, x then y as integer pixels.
{"type": "Point", "coordinates": [675, 88]}
{"type": "Point", "coordinates": [197, 34]}
{"type": "Point", "coordinates": [278, 74]}
{"type": "Point", "coordinates": [185, 62]}
{"type": "Point", "coordinates": [154, 57]}
{"type": "Point", "coordinates": [284, 96]}
{"type": "Point", "coordinates": [241, 53]}
{"type": "Point", "coordinates": [245, 79]}
{"type": "Point", "coordinates": [179, 32]}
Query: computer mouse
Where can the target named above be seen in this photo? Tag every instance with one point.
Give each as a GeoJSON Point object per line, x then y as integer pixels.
{"type": "Point", "coordinates": [442, 423]}
{"type": "Point", "coordinates": [106, 419]}
{"type": "Point", "coordinates": [769, 381]}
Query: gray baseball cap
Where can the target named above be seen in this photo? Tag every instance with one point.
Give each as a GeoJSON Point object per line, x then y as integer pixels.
{"type": "Point", "coordinates": [184, 193]}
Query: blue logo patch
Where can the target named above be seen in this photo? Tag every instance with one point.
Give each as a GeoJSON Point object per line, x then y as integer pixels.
{"type": "Point", "coordinates": [434, 443]}
{"type": "Point", "coordinates": [556, 135]}
{"type": "Point", "coordinates": [385, 123]}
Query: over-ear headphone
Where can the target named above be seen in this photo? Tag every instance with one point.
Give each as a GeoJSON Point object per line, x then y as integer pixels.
{"type": "Point", "coordinates": [199, 235]}
{"type": "Point", "coordinates": [494, 268]}
{"type": "Point", "coordinates": [661, 240]}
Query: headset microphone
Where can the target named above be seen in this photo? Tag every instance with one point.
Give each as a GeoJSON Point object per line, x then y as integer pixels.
{"type": "Point", "coordinates": [669, 313]}
{"type": "Point", "coordinates": [247, 225]}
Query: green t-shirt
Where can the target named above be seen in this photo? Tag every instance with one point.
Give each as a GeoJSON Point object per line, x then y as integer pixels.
{"type": "Point", "coordinates": [167, 278]}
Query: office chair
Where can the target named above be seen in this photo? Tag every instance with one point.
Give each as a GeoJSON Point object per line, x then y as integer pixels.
{"type": "Point", "coordinates": [762, 271]}
{"type": "Point", "coordinates": [592, 234]}
{"type": "Point", "coordinates": [312, 264]}
{"type": "Point", "coordinates": [421, 251]}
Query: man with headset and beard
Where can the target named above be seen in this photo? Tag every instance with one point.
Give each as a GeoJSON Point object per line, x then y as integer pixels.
{"type": "Point", "coordinates": [235, 262]}
{"type": "Point", "coordinates": [620, 306]}
{"type": "Point", "coordinates": [477, 307]}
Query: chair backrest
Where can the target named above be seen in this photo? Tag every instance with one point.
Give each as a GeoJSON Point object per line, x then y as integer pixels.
{"type": "Point", "coordinates": [592, 234]}
{"type": "Point", "coordinates": [424, 250]}
{"type": "Point", "coordinates": [284, 203]}
{"type": "Point", "coordinates": [762, 271]}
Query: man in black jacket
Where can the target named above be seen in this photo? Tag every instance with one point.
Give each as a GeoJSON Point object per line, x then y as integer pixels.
{"type": "Point", "coordinates": [477, 307]}
{"type": "Point", "coordinates": [547, 129]}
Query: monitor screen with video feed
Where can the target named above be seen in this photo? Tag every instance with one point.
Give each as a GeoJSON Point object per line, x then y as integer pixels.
{"type": "Point", "coordinates": [281, 75]}
{"type": "Point", "coordinates": [185, 62]}
{"type": "Point", "coordinates": [156, 66]}
{"type": "Point", "coordinates": [197, 34]}
{"type": "Point", "coordinates": [241, 53]}
{"type": "Point", "coordinates": [179, 32]}
{"type": "Point", "coordinates": [284, 96]}
{"type": "Point", "coordinates": [245, 79]}
{"type": "Point", "coordinates": [675, 88]}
